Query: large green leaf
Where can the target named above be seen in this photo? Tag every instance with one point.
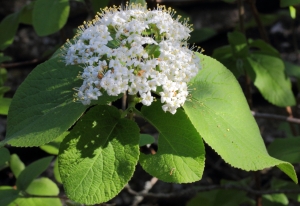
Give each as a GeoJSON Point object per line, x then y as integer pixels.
{"type": "Point", "coordinates": [220, 113]}
{"type": "Point", "coordinates": [49, 16]}
{"type": "Point", "coordinates": [43, 108]}
{"type": "Point", "coordinates": [8, 28]}
{"type": "Point", "coordinates": [99, 156]}
{"type": "Point", "coordinates": [286, 149]}
{"type": "Point", "coordinates": [42, 186]}
{"type": "Point", "coordinates": [180, 156]}
{"type": "Point", "coordinates": [7, 195]}
{"type": "Point", "coordinates": [271, 80]}
{"type": "Point", "coordinates": [31, 172]}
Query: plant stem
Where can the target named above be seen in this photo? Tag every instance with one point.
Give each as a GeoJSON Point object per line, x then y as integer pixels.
{"type": "Point", "coordinates": [241, 11]}
{"type": "Point", "coordinates": [276, 117]}
{"type": "Point", "coordinates": [257, 187]}
{"type": "Point", "coordinates": [260, 26]}
{"type": "Point", "coordinates": [131, 105]}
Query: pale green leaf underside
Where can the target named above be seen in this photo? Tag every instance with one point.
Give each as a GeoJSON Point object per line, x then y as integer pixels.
{"type": "Point", "coordinates": [53, 147]}
{"type": "Point", "coordinates": [220, 113]}
{"type": "Point", "coordinates": [98, 157]}
{"type": "Point", "coordinates": [50, 16]}
{"type": "Point", "coordinates": [42, 186]}
{"type": "Point", "coordinates": [43, 108]}
{"type": "Point", "coordinates": [270, 79]}
{"type": "Point", "coordinates": [16, 165]}
{"type": "Point", "coordinates": [180, 156]}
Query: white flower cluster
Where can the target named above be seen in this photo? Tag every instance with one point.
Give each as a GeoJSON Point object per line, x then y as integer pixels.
{"type": "Point", "coordinates": [134, 50]}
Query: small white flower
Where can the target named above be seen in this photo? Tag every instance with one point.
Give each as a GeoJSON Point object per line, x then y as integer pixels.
{"type": "Point", "coordinates": [134, 50]}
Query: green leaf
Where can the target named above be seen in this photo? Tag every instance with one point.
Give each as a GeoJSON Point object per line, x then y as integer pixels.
{"type": "Point", "coordinates": [278, 184]}
{"type": "Point", "coordinates": [98, 4]}
{"type": "Point", "coordinates": [293, 12]}
{"type": "Point", "coordinates": [264, 47]}
{"type": "Point", "coordinates": [49, 17]}
{"type": "Point", "coordinates": [219, 197]}
{"type": "Point", "coordinates": [221, 115]}
{"type": "Point", "coordinates": [16, 165]}
{"type": "Point", "coordinates": [26, 14]}
{"type": "Point", "coordinates": [153, 50]}
{"type": "Point", "coordinates": [31, 172]}
{"type": "Point", "coordinates": [200, 35]}
{"type": "Point", "coordinates": [4, 105]}
{"type": "Point", "coordinates": [99, 156]}
{"type": "Point", "coordinates": [285, 3]}
{"type": "Point", "coordinates": [180, 156]}
{"type": "Point", "coordinates": [225, 56]}
{"type": "Point", "coordinates": [53, 147]}
{"type": "Point", "coordinates": [42, 108]}
{"type": "Point", "coordinates": [4, 58]}
{"type": "Point", "coordinates": [8, 28]}
{"type": "Point", "coordinates": [7, 195]}
{"type": "Point", "coordinates": [41, 186]}
{"type": "Point", "coordinates": [4, 156]}
{"type": "Point", "coordinates": [270, 79]}
{"type": "Point", "coordinates": [3, 74]}
{"type": "Point", "coordinates": [292, 70]}
{"type": "Point", "coordinates": [56, 172]}
{"type": "Point", "coordinates": [238, 43]}
{"type": "Point", "coordinates": [3, 90]}
{"type": "Point", "coordinates": [142, 2]}
{"type": "Point", "coordinates": [289, 152]}
{"type": "Point", "coordinates": [146, 139]}
{"type": "Point", "coordinates": [274, 200]}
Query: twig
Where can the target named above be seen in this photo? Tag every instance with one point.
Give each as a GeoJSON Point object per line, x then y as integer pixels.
{"type": "Point", "coordinates": [276, 117]}
{"type": "Point", "coordinates": [148, 186]}
{"type": "Point", "coordinates": [260, 26]}
{"type": "Point", "coordinates": [20, 64]}
{"type": "Point", "coordinates": [257, 187]}
{"type": "Point", "coordinates": [195, 190]}
{"type": "Point", "coordinates": [290, 112]}
{"type": "Point", "coordinates": [241, 12]}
